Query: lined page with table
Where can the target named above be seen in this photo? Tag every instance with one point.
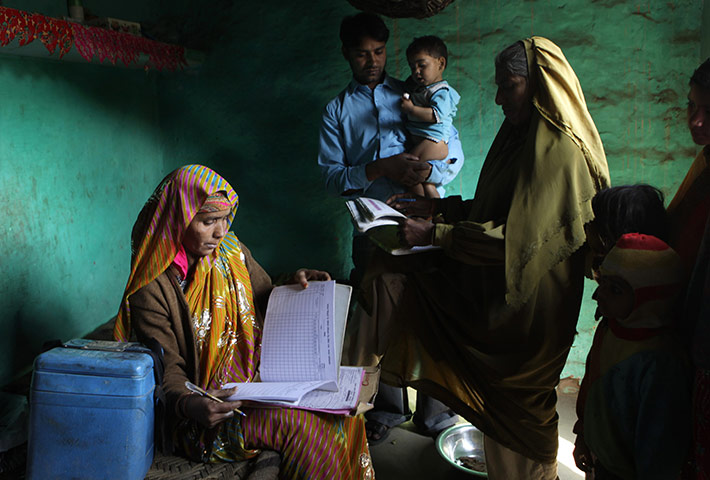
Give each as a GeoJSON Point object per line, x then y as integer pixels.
{"type": "Point", "coordinates": [301, 350]}
{"type": "Point", "coordinates": [298, 342]}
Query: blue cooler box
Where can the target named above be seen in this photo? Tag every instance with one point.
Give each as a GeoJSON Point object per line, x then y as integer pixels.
{"type": "Point", "coordinates": [91, 412]}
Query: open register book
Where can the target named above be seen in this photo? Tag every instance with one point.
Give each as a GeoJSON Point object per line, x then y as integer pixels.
{"type": "Point", "coordinates": [301, 351]}
{"type": "Point", "coordinates": [370, 212]}
{"type": "Point", "coordinates": [381, 221]}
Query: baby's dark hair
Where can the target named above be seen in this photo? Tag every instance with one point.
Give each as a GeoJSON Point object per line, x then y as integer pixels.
{"type": "Point", "coordinates": [701, 75]}
{"type": "Point", "coordinates": [354, 28]}
{"type": "Point", "coordinates": [630, 209]}
{"type": "Point", "coordinates": [431, 45]}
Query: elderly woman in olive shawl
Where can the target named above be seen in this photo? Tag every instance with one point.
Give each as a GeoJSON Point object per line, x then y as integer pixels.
{"type": "Point", "coordinates": [487, 325]}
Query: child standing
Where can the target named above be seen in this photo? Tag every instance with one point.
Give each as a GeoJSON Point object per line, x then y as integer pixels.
{"type": "Point", "coordinates": [624, 209]}
{"type": "Point", "coordinates": [634, 401]}
{"type": "Point", "coordinates": [430, 105]}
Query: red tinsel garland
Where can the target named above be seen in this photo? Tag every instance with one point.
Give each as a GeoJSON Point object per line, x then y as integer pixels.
{"type": "Point", "coordinates": [89, 41]}
{"type": "Point", "coordinates": [27, 27]}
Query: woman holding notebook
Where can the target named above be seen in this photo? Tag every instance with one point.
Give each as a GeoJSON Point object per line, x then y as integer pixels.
{"type": "Point", "coordinates": [486, 326]}
{"type": "Point", "coordinates": [198, 291]}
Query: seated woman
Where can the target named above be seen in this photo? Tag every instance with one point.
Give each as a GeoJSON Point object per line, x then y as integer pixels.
{"type": "Point", "coordinates": [197, 290]}
{"type": "Point", "coordinates": [486, 326]}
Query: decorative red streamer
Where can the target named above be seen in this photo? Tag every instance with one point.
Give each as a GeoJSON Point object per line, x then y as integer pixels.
{"type": "Point", "coordinates": [27, 27]}
{"type": "Point", "coordinates": [89, 41]}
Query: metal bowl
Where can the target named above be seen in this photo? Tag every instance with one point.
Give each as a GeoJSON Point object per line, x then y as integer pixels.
{"type": "Point", "coordinates": [462, 447]}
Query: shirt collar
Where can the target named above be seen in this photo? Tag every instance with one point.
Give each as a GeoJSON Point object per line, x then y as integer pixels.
{"type": "Point", "coordinates": [388, 82]}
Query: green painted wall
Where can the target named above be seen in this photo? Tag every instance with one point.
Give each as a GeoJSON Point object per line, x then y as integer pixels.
{"type": "Point", "coordinates": [82, 146]}
{"type": "Point", "coordinates": [80, 150]}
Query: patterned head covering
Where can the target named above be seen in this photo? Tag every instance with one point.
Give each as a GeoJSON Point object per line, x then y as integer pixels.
{"type": "Point", "coordinates": [654, 271]}
{"type": "Point", "coordinates": [216, 203]}
{"type": "Point", "coordinates": [219, 295]}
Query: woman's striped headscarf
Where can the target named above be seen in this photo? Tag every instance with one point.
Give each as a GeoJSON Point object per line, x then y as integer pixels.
{"type": "Point", "coordinates": [219, 295]}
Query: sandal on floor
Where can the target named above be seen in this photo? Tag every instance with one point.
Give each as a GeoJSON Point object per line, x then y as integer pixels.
{"type": "Point", "coordinates": [376, 432]}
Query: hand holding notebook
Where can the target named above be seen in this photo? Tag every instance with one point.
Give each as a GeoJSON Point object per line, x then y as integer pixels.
{"type": "Point", "coordinates": [381, 222]}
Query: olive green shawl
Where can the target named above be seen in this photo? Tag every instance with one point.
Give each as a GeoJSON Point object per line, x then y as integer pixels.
{"type": "Point", "coordinates": [546, 219]}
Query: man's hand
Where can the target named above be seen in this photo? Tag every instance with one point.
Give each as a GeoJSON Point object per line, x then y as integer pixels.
{"type": "Point", "coordinates": [302, 276]}
{"type": "Point", "coordinates": [206, 411]}
{"type": "Point", "coordinates": [412, 205]}
{"type": "Point", "coordinates": [403, 168]}
{"type": "Point", "coordinates": [582, 455]}
{"type": "Point", "coordinates": [415, 232]}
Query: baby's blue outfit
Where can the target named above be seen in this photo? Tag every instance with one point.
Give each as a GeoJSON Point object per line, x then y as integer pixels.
{"type": "Point", "coordinates": [442, 98]}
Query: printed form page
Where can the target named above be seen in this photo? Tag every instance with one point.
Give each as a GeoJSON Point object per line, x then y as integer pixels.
{"type": "Point", "coordinates": [288, 392]}
{"type": "Point", "coordinates": [298, 342]}
{"type": "Point", "coordinates": [344, 400]}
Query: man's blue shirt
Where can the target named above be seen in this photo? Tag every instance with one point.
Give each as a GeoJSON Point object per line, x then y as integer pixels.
{"type": "Point", "coordinates": [361, 125]}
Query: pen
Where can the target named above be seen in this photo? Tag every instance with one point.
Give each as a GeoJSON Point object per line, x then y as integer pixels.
{"type": "Point", "coordinates": [194, 388]}
{"type": "Point", "coordinates": [405, 200]}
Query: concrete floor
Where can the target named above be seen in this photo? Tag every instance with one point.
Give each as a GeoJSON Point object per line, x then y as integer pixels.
{"type": "Point", "coordinates": [406, 454]}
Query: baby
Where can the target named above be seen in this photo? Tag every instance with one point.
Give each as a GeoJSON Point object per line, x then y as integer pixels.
{"type": "Point", "coordinates": [430, 105]}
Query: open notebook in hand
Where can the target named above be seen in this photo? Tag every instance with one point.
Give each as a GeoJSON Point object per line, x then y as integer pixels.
{"type": "Point", "coordinates": [302, 343]}
{"type": "Point", "coordinates": [370, 212]}
{"type": "Point", "coordinates": [381, 222]}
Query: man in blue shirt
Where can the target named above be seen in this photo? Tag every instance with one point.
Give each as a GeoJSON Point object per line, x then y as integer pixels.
{"type": "Point", "coordinates": [363, 153]}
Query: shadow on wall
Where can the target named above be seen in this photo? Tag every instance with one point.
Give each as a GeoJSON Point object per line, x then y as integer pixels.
{"type": "Point", "coordinates": [261, 132]}
{"type": "Point", "coordinates": [287, 224]}
{"type": "Point", "coordinates": [30, 328]}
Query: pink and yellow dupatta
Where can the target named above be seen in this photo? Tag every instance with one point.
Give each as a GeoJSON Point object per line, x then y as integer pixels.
{"type": "Point", "coordinates": [219, 295]}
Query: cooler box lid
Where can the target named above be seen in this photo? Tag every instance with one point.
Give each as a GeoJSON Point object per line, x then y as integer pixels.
{"type": "Point", "coordinates": [94, 367]}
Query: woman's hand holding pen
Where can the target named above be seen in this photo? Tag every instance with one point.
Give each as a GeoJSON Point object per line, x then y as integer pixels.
{"type": "Point", "coordinates": [412, 205]}
{"type": "Point", "coordinates": [414, 231]}
{"type": "Point", "coordinates": [208, 412]}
